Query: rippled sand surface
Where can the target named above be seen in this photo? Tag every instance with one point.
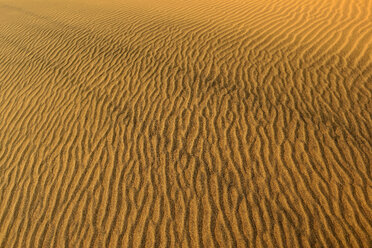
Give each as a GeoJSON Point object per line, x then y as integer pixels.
{"type": "Point", "coordinates": [184, 123]}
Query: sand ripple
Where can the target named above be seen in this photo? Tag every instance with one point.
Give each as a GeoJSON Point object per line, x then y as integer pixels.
{"type": "Point", "coordinates": [208, 123]}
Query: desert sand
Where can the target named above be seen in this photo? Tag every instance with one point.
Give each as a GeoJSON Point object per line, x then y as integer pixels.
{"type": "Point", "coordinates": [184, 123]}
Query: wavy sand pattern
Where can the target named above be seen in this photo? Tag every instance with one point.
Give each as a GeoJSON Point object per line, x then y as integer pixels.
{"type": "Point", "coordinates": [159, 123]}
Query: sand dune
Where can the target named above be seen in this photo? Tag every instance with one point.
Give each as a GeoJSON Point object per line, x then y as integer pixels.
{"type": "Point", "coordinates": [185, 123]}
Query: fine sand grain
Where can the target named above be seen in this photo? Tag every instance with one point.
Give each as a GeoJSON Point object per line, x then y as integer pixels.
{"type": "Point", "coordinates": [185, 123]}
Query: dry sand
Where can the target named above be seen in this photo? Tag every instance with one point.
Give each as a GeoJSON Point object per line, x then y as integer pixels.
{"type": "Point", "coordinates": [184, 123]}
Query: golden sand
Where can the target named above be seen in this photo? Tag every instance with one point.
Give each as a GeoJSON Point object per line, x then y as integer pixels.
{"type": "Point", "coordinates": [184, 123]}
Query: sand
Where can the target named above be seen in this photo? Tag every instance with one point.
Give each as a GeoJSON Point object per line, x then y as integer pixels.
{"type": "Point", "coordinates": [184, 123]}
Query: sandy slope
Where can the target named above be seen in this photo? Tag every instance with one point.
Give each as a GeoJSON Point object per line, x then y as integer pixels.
{"type": "Point", "coordinates": [159, 123]}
